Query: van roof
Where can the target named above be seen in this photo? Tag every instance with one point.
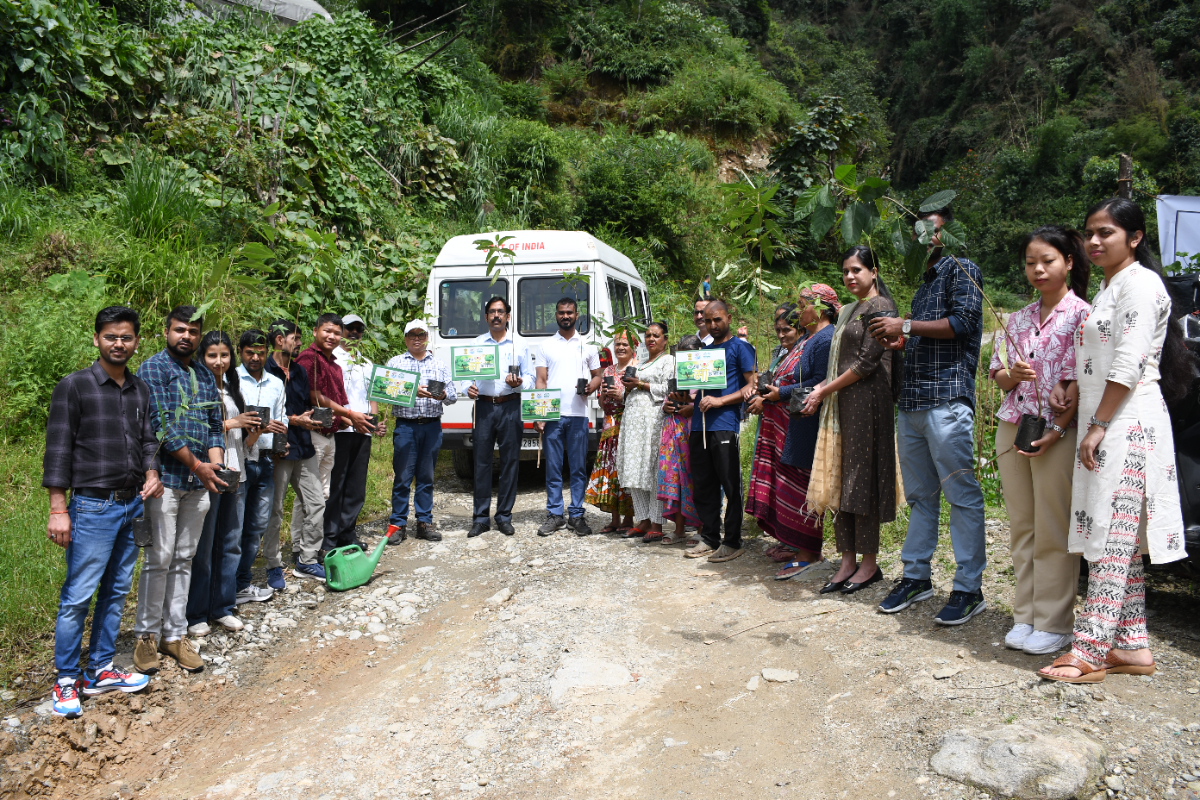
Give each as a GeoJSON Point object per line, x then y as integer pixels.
{"type": "Point", "coordinates": [535, 247]}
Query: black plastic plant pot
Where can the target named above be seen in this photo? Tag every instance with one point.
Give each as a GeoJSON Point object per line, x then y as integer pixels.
{"type": "Point", "coordinates": [764, 382]}
{"type": "Point", "coordinates": [610, 381]}
{"type": "Point", "coordinates": [514, 369]}
{"type": "Point", "coordinates": [874, 315]}
{"type": "Point", "coordinates": [631, 371]}
{"type": "Point", "coordinates": [581, 386]}
{"type": "Point", "coordinates": [436, 388]}
{"type": "Point", "coordinates": [372, 419]}
{"type": "Point", "coordinates": [322, 416]}
{"type": "Point", "coordinates": [279, 444]}
{"type": "Point", "coordinates": [801, 394]}
{"type": "Point", "coordinates": [143, 535]}
{"type": "Point", "coordinates": [1029, 430]}
{"type": "Point", "coordinates": [672, 385]}
{"type": "Point", "coordinates": [264, 414]}
{"type": "Point", "coordinates": [230, 476]}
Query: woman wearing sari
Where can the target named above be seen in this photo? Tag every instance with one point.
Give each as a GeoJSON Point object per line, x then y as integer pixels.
{"type": "Point", "coordinates": [604, 492]}
{"type": "Point", "coordinates": [856, 448]}
{"type": "Point", "coordinates": [674, 464]}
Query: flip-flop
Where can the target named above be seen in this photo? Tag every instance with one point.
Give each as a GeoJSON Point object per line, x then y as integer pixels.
{"type": "Point", "coordinates": [634, 533]}
{"type": "Point", "coordinates": [1087, 673]}
{"type": "Point", "coordinates": [610, 529]}
{"type": "Point", "coordinates": [784, 554]}
{"type": "Point", "coordinates": [792, 568]}
{"type": "Point", "coordinates": [652, 536]}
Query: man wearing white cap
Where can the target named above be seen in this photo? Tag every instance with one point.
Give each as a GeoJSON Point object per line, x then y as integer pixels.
{"type": "Point", "coordinates": [418, 435]}
{"type": "Point", "coordinates": [352, 456]}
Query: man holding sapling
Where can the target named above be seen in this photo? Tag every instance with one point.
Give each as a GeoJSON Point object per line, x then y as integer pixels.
{"type": "Point", "coordinates": [352, 450]}
{"type": "Point", "coordinates": [935, 426]}
{"type": "Point", "coordinates": [298, 468]}
{"type": "Point", "coordinates": [100, 444]}
{"type": "Point", "coordinates": [418, 435]}
{"type": "Point", "coordinates": [259, 388]}
{"type": "Point", "coordinates": [186, 413]}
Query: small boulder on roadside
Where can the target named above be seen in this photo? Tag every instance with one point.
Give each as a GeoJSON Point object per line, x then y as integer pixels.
{"type": "Point", "coordinates": [499, 598]}
{"type": "Point", "coordinates": [772, 675]}
{"type": "Point", "coordinates": [1016, 761]}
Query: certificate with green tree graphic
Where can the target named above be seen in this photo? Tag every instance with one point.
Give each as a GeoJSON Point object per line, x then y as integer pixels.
{"type": "Point", "coordinates": [541, 405]}
{"type": "Point", "coordinates": [700, 369]}
{"type": "Point", "coordinates": [475, 363]}
{"type": "Point", "coordinates": [396, 387]}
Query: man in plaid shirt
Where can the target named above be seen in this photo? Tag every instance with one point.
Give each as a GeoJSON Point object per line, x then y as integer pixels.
{"type": "Point", "coordinates": [418, 435]}
{"type": "Point", "coordinates": [183, 404]}
{"type": "Point", "coordinates": [935, 430]}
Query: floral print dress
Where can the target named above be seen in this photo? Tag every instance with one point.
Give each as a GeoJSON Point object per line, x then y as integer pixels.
{"type": "Point", "coordinates": [603, 491]}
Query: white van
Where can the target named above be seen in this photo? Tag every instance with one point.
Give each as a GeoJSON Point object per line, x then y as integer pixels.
{"type": "Point", "coordinates": [545, 269]}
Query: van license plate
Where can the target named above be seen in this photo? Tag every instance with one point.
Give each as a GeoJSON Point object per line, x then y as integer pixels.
{"type": "Point", "coordinates": [529, 442]}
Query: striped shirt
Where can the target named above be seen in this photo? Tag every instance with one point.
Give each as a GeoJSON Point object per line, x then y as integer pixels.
{"type": "Point", "coordinates": [430, 369]}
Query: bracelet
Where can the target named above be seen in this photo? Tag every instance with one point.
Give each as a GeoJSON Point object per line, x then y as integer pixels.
{"type": "Point", "coordinates": [1101, 423]}
{"type": "Point", "coordinates": [60, 512]}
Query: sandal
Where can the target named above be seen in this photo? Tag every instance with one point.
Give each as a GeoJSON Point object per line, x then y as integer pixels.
{"type": "Point", "coordinates": [610, 528]}
{"type": "Point", "coordinates": [1087, 673]}
{"type": "Point", "coordinates": [791, 570]}
{"type": "Point", "coordinates": [1118, 667]}
{"type": "Point", "coordinates": [783, 554]}
{"type": "Point", "coordinates": [673, 538]}
{"type": "Point", "coordinates": [652, 536]}
{"type": "Point", "coordinates": [634, 533]}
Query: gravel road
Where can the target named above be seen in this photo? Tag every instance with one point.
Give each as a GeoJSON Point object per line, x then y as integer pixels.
{"type": "Point", "coordinates": [606, 673]}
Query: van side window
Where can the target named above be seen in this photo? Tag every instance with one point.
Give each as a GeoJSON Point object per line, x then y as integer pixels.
{"type": "Point", "coordinates": [537, 299]}
{"type": "Point", "coordinates": [618, 297]}
{"type": "Point", "coordinates": [639, 305]}
{"type": "Point", "coordinates": [460, 306]}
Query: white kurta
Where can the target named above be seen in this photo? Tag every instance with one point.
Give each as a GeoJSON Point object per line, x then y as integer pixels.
{"type": "Point", "coordinates": [641, 427]}
{"type": "Point", "coordinates": [1121, 340]}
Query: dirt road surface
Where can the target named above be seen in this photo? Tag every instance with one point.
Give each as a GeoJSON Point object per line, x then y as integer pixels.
{"type": "Point", "coordinates": [615, 669]}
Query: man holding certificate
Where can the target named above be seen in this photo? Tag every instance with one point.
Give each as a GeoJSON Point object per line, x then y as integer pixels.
{"type": "Point", "coordinates": [498, 421]}
{"type": "Point", "coordinates": [418, 435]}
{"type": "Point", "coordinates": [572, 367]}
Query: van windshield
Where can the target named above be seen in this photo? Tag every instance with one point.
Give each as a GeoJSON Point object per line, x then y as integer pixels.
{"type": "Point", "coordinates": [461, 306]}
{"type": "Point", "coordinates": [537, 299]}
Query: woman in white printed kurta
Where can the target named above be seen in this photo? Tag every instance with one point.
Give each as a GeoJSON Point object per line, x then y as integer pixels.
{"type": "Point", "coordinates": [641, 432]}
{"type": "Point", "coordinates": [1124, 484]}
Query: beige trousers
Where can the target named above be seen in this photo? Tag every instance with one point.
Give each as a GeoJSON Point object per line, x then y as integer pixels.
{"type": "Point", "coordinates": [1037, 494]}
{"type": "Point", "coordinates": [326, 447]}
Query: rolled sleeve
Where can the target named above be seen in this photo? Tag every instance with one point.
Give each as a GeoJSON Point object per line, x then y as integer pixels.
{"type": "Point", "coordinates": [60, 437]}
{"type": "Point", "coordinates": [965, 301]}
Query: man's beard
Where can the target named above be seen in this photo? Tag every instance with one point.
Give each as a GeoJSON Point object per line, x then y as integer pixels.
{"type": "Point", "coordinates": [566, 324]}
{"type": "Point", "coordinates": [117, 361]}
{"type": "Point", "coordinates": [179, 350]}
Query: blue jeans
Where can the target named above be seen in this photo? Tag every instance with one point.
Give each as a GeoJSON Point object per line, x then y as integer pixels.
{"type": "Point", "coordinates": [414, 453]}
{"type": "Point", "coordinates": [101, 555]}
{"type": "Point", "coordinates": [260, 492]}
{"type": "Point", "coordinates": [213, 592]}
{"type": "Point", "coordinates": [936, 456]}
{"type": "Point", "coordinates": [570, 434]}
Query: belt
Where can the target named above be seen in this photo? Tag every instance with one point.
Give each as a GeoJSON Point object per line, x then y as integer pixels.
{"type": "Point", "coordinates": [419, 420]}
{"type": "Point", "coordinates": [498, 399]}
{"type": "Point", "coordinates": [105, 494]}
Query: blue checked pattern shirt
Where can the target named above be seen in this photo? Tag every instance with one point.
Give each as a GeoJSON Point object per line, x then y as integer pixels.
{"type": "Point", "coordinates": [430, 369]}
{"type": "Point", "coordinates": [937, 371]}
{"type": "Point", "coordinates": [197, 429]}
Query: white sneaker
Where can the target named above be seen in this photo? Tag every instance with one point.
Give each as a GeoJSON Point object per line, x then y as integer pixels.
{"type": "Point", "coordinates": [1040, 643]}
{"type": "Point", "coordinates": [230, 623]}
{"type": "Point", "coordinates": [254, 594]}
{"type": "Point", "coordinates": [199, 629]}
{"type": "Point", "coordinates": [1015, 639]}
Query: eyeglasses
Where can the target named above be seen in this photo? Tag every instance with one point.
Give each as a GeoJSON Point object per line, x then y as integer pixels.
{"type": "Point", "coordinates": [113, 339]}
{"type": "Point", "coordinates": [415, 335]}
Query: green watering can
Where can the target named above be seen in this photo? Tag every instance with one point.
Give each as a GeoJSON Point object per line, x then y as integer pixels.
{"type": "Point", "coordinates": [349, 567]}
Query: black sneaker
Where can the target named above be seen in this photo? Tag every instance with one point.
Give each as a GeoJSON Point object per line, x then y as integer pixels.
{"type": "Point", "coordinates": [961, 607]}
{"type": "Point", "coordinates": [478, 529]}
{"type": "Point", "coordinates": [907, 592]}
{"type": "Point", "coordinates": [580, 526]}
{"type": "Point", "coordinates": [506, 528]}
{"type": "Point", "coordinates": [426, 531]}
{"type": "Point", "coordinates": [553, 523]}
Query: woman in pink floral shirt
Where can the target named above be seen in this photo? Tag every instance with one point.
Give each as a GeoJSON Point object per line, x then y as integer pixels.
{"type": "Point", "coordinates": [1038, 354]}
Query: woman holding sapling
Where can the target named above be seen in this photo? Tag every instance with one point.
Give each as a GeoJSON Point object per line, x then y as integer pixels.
{"type": "Point", "coordinates": [641, 434]}
{"type": "Point", "coordinates": [1035, 356]}
{"type": "Point", "coordinates": [604, 490]}
{"type": "Point", "coordinates": [856, 447]}
{"type": "Point", "coordinates": [213, 592]}
{"type": "Point", "coordinates": [1131, 362]}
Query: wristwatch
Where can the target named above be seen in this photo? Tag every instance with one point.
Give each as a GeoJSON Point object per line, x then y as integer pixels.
{"type": "Point", "coordinates": [906, 328]}
{"type": "Point", "coordinates": [1101, 423]}
{"type": "Point", "coordinates": [1060, 430]}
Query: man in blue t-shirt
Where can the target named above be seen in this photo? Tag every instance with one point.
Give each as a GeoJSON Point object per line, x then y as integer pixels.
{"type": "Point", "coordinates": [717, 467]}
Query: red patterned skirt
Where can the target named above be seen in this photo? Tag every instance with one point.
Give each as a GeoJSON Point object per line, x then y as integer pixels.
{"type": "Point", "coordinates": [777, 492]}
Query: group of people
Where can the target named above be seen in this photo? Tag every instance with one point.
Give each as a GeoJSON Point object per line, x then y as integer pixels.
{"type": "Point", "coordinates": [859, 410]}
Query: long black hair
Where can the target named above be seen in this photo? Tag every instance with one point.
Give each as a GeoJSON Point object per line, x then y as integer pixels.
{"type": "Point", "coordinates": [231, 381]}
{"type": "Point", "coordinates": [1070, 244]}
{"type": "Point", "coordinates": [867, 256]}
{"type": "Point", "coordinates": [1176, 366]}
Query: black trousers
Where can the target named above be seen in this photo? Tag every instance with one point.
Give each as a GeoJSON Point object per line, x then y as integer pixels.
{"type": "Point", "coordinates": [347, 488]}
{"type": "Point", "coordinates": [715, 469]}
{"type": "Point", "coordinates": [496, 426]}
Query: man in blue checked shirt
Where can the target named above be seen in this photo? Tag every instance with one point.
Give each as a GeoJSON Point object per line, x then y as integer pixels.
{"type": "Point", "coordinates": [183, 405]}
{"type": "Point", "coordinates": [935, 428]}
{"type": "Point", "coordinates": [498, 421]}
{"type": "Point", "coordinates": [418, 435]}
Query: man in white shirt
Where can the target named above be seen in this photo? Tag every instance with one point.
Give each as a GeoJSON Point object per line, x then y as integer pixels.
{"type": "Point", "coordinates": [698, 320]}
{"type": "Point", "coordinates": [352, 456]}
{"type": "Point", "coordinates": [498, 421]}
{"type": "Point", "coordinates": [563, 360]}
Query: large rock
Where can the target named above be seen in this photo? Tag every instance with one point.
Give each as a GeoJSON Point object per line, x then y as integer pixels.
{"type": "Point", "coordinates": [582, 673]}
{"type": "Point", "coordinates": [1014, 761]}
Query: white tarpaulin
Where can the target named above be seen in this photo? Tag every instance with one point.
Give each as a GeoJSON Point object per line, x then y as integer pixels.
{"type": "Point", "coordinates": [289, 11]}
{"type": "Point", "coordinates": [1179, 228]}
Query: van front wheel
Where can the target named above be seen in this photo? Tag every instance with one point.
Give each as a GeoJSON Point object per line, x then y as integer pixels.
{"type": "Point", "coordinates": [464, 464]}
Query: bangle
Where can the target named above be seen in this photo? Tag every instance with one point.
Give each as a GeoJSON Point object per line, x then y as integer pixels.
{"type": "Point", "coordinates": [60, 512]}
